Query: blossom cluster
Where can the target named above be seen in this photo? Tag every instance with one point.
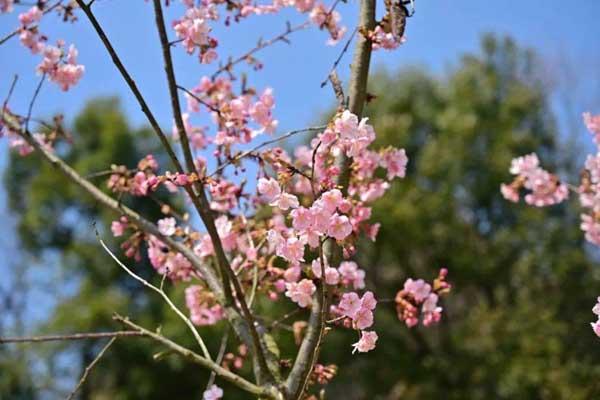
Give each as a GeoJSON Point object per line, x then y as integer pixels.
{"type": "Point", "coordinates": [59, 65]}
{"type": "Point", "coordinates": [204, 310]}
{"type": "Point", "coordinates": [194, 28]}
{"type": "Point", "coordinates": [231, 113]}
{"type": "Point", "coordinates": [307, 210]}
{"type": "Point", "coordinates": [384, 40]}
{"type": "Point", "coordinates": [418, 300]}
{"type": "Point", "coordinates": [544, 188]}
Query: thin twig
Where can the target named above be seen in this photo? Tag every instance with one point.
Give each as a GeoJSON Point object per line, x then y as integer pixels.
{"type": "Point", "coordinates": [32, 102]}
{"type": "Point", "coordinates": [10, 35]}
{"type": "Point", "coordinates": [10, 92]}
{"type": "Point", "coordinates": [89, 368]}
{"type": "Point", "coordinates": [268, 142]}
{"type": "Point", "coordinates": [164, 296]}
{"type": "Point", "coordinates": [198, 359]}
{"type": "Point", "coordinates": [220, 355]}
{"type": "Point", "coordinates": [72, 336]}
{"type": "Point", "coordinates": [261, 45]}
{"type": "Point", "coordinates": [132, 85]}
{"type": "Point", "coordinates": [199, 100]}
{"type": "Point", "coordinates": [340, 56]}
{"type": "Point", "coordinates": [280, 321]}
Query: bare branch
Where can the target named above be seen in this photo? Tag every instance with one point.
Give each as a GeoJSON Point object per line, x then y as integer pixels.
{"type": "Point", "coordinates": [89, 368]}
{"type": "Point", "coordinates": [67, 337]}
{"type": "Point", "coordinates": [131, 83]}
{"type": "Point", "coordinates": [261, 45]}
{"type": "Point", "coordinates": [32, 102]}
{"type": "Point", "coordinates": [266, 392]}
{"type": "Point", "coordinates": [199, 100]}
{"type": "Point", "coordinates": [264, 144]}
{"type": "Point", "coordinates": [10, 92]}
{"type": "Point", "coordinates": [340, 56]}
{"type": "Point", "coordinates": [220, 356]}
{"type": "Point", "coordinates": [164, 296]}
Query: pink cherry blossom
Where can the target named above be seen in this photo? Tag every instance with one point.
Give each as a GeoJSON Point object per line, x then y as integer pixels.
{"type": "Point", "coordinates": [525, 164]}
{"type": "Point", "coordinates": [118, 227]}
{"type": "Point", "coordinates": [339, 227]}
{"type": "Point", "coordinates": [269, 189]}
{"type": "Point", "coordinates": [31, 16]}
{"type": "Point", "coordinates": [205, 247]}
{"type": "Point", "coordinates": [213, 393]}
{"type": "Point", "coordinates": [395, 161]}
{"type": "Point", "coordinates": [292, 274]}
{"type": "Point", "coordinates": [374, 190]}
{"type": "Point", "coordinates": [331, 200]}
{"type": "Point", "coordinates": [366, 343]}
{"type": "Point", "coordinates": [352, 275]}
{"type": "Point", "coordinates": [419, 289]}
{"type": "Point", "coordinates": [383, 40]}
{"type": "Point", "coordinates": [285, 201]}
{"type": "Point", "coordinates": [509, 193]}
{"type": "Point", "coordinates": [332, 276]}
{"type": "Point", "coordinates": [166, 226]}
{"type": "Point", "coordinates": [431, 312]}
{"type": "Point", "coordinates": [545, 189]}
{"type": "Point", "coordinates": [596, 309]}
{"type": "Point", "coordinates": [592, 122]}
{"type": "Point", "coordinates": [292, 249]}
{"type": "Point", "coordinates": [301, 292]}
{"type": "Point", "coordinates": [226, 232]}
{"type": "Point", "coordinates": [368, 301]}
{"type": "Point", "coordinates": [302, 218]}
{"type": "Point", "coordinates": [350, 304]}
{"type": "Point", "coordinates": [203, 308]}
{"type": "Point", "coordinates": [363, 318]}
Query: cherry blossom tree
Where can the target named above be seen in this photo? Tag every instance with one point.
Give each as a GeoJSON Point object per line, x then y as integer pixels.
{"type": "Point", "coordinates": [288, 237]}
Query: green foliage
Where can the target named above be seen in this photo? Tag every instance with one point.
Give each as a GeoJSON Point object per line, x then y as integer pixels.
{"type": "Point", "coordinates": [516, 325]}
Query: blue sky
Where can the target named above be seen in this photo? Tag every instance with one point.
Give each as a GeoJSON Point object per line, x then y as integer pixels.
{"type": "Point", "coordinates": [440, 31]}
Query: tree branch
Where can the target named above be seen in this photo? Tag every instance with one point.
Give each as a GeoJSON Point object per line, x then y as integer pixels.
{"type": "Point", "coordinates": [166, 298]}
{"type": "Point", "coordinates": [261, 45]}
{"type": "Point", "coordinates": [89, 368]}
{"type": "Point", "coordinates": [131, 83]}
{"type": "Point", "coordinates": [309, 349]}
{"type": "Point", "coordinates": [202, 205]}
{"type": "Point", "coordinates": [268, 142]}
{"type": "Point", "coordinates": [66, 337]}
{"type": "Point", "coordinates": [237, 380]}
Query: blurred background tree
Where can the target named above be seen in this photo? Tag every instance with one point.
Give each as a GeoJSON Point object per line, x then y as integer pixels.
{"type": "Point", "coordinates": [516, 323]}
{"type": "Point", "coordinates": [56, 225]}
